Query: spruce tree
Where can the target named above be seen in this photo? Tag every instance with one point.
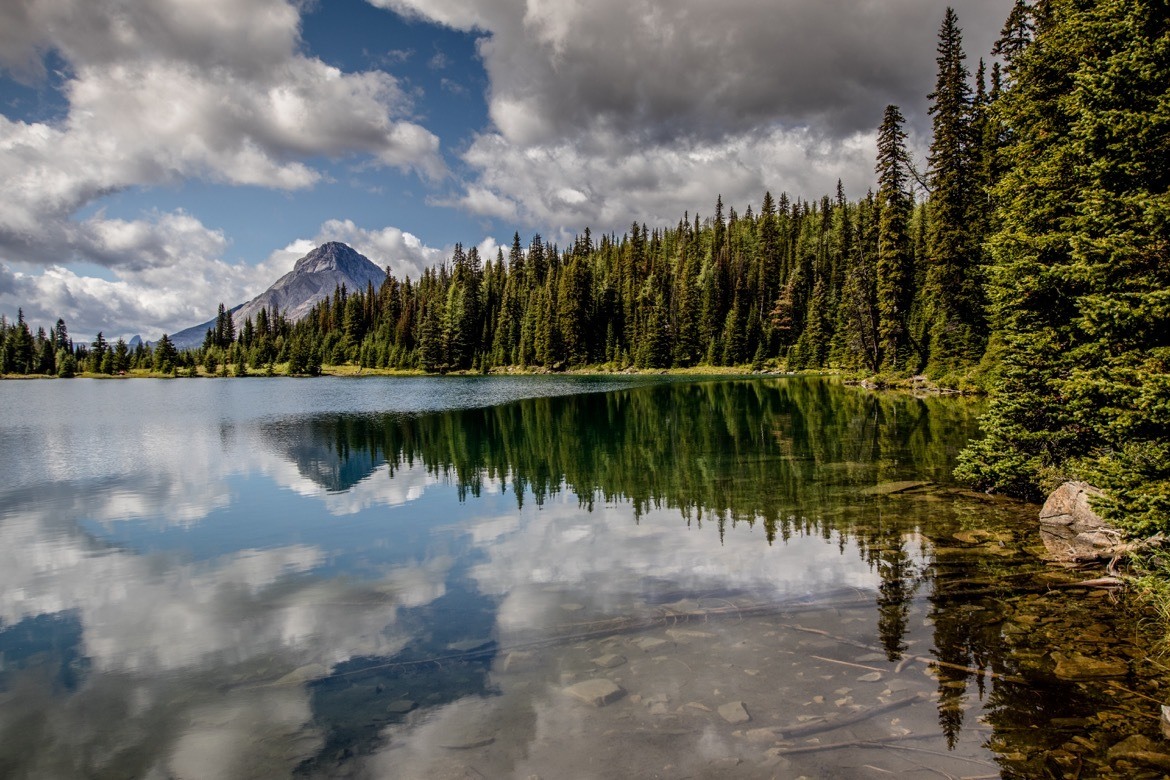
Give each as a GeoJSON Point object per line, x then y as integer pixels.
{"type": "Point", "coordinates": [895, 272]}
{"type": "Point", "coordinates": [953, 293]}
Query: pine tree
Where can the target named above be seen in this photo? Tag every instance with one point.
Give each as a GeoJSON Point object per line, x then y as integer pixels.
{"type": "Point", "coordinates": [953, 292]}
{"type": "Point", "coordinates": [895, 272]}
{"type": "Point", "coordinates": [1015, 36]}
{"type": "Point", "coordinates": [164, 354]}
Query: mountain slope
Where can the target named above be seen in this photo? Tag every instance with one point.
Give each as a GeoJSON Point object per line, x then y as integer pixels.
{"type": "Point", "coordinates": [314, 276]}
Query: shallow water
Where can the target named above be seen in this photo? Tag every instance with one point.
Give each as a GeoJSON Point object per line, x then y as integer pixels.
{"type": "Point", "coordinates": [389, 577]}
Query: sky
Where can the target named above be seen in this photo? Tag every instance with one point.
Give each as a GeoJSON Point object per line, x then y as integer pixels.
{"type": "Point", "coordinates": [158, 157]}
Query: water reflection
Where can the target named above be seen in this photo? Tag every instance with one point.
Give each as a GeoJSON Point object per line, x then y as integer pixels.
{"type": "Point", "coordinates": [362, 593]}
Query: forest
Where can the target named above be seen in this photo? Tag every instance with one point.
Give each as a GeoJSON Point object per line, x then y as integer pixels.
{"type": "Point", "coordinates": [1028, 258]}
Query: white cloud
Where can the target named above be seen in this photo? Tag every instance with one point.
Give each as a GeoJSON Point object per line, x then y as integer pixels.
{"type": "Point", "coordinates": [618, 110]}
{"type": "Point", "coordinates": [163, 91]}
{"type": "Point", "coordinates": [569, 185]}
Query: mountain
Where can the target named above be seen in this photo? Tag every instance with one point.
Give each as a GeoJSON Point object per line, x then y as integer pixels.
{"type": "Point", "coordinates": [314, 276]}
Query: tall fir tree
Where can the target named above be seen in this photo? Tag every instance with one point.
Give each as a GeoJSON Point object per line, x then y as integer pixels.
{"type": "Point", "coordinates": [895, 271]}
{"type": "Point", "coordinates": [953, 299]}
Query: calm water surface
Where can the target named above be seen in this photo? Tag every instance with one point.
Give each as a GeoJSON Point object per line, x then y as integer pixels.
{"type": "Point", "coordinates": [550, 577]}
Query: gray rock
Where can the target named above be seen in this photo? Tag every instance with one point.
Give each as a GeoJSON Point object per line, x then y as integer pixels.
{"type": "Point", "coordinates": [1071, 530]}
{"type": "Point", "coordinates": [734, 712]}
{"type": "Point", "coordinates": [598, 692]}
{"type": "Point", "coordinates": [609, 661]}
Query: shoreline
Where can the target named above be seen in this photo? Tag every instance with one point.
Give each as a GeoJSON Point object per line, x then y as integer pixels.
{"type": "Point", "coordinates": [916, 385]}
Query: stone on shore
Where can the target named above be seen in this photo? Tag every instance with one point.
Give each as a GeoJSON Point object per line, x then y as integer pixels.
{"type": "Point", "coordinates": [1071, 530]}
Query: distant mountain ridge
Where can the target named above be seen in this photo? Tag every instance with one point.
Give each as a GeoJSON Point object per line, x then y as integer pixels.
{"type": "Point", "coordinates": [313, 277]}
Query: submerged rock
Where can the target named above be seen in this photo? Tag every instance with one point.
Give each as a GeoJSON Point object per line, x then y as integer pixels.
{"type": "Point", "coordinates": [649, 643]}
{"type": "Point", "coordinates": [687, 635]}
{"type": "Point", "coordinates": [400, 707]}
{"type": "Point", "coordinates": [1140, 750]}
{"type": "Point", "coordinates": [894, 488]}
{"type": "Point", "coordinates": [1071, 530]}
{"type": "Point", "coordinates": [1074, 666]}
{"type": "Point", "coordinates": [609, 661]}
{"type": "Point", "coordinates": [598, 692]}
{"type": "Point", "coordinates": [734, 712]}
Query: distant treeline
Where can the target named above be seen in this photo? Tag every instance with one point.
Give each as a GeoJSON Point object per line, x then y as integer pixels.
{"type": "Point", "coordinates": [1035, 264]}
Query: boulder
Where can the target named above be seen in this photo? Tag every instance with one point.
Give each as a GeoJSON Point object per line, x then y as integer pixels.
{"type": "Point", "coordinates": [1072, 531]}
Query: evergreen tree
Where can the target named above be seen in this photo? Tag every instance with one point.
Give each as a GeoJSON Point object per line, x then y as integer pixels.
{"type": "Point", "coordinates": [165, 355]}
{"type": "Point", "coordinates": [953, 294]}
{"type": "Point", "coordinates": [1080, 278]}
{"type": "Point", "coordinates": [895, 271]}
{"type": "Point", "coordinates": [1015, 36]}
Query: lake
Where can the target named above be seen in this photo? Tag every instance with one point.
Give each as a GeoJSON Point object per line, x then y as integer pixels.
{"type": "Point", "coordinates": [537, 577]}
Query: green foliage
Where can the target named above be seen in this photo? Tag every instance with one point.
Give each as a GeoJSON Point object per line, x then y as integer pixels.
{"type": "Point", "coordinates": [210, 360]}
{"type": "Point", "coordinates": [1080, 284]}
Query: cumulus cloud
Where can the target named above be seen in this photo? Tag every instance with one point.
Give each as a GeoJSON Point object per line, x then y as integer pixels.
{"type": "Point", "coordinates": [164, 91]}
{"type": "Point", "coordinates": [680, 100]}
{"type": "Point", "coordinates": [146, 299]}
{"type": "Point", "coordinates": [612, 180]}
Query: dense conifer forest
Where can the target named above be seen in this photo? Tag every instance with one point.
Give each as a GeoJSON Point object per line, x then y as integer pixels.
{"type": "Point", "coordinates": [1029, 257]}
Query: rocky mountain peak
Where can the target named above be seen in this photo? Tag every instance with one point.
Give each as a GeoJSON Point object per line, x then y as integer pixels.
{"type": "Point", "coordinates": [333, 256]}
{"type": "Point", "coordinates": [314, 276]}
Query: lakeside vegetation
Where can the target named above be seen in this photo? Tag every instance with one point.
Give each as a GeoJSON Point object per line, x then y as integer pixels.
{"type": "Point", "coordinates": [1028, 259]}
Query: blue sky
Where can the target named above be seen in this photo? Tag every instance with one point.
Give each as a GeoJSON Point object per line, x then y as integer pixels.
{"type": "Point", "coordinates": [160, 156]}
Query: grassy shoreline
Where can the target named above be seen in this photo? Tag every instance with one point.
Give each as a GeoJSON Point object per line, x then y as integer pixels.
{"type": "Point", "coordinates": [916, 384]}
